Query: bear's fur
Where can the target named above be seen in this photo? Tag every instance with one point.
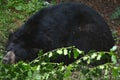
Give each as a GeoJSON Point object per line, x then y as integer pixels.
{"type": "Point", "coordinates": [63, 25]}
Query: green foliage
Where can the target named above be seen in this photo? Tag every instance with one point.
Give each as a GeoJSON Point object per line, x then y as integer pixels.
{"type": "Point", "coordinates": [42, 69]}
{"type": "Point", "coordinates": [30, 6]}
{"type": "Point", "coordinates": [116, 14]}
{"type": "Point", "coordinates": [27, 6]}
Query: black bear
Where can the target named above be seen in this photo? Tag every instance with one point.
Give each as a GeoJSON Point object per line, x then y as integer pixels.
{"type": "Point", "coordinates": [62, 25]}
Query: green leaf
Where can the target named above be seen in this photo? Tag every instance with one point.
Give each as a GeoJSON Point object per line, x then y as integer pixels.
{"type": "Point", "coordinates": [88, 61]}
{"type": "Point", "coordinates": [76, 53]}
{"type": "Point", "coordinates": [99, 57]}
{"type": "Point", "coordinates": [116, 14]}
{"type": "Point", "coordinates": [101, 67]}
{"type": "Point", "coordinates": [38, 68]}
{"type": "Point", "coordinates": [113, 48]}
{"type": "Point", "coordinates": [79, 51]}
{"type": "Point", "coordinates": [68, 71]}
{"type": "Point", "coordinates": [94, 55]}
{"type": "Point", "coordinates": [65, 51]}
{"type": "Point", "coordinates": [59, 51]}
{"type": "Point", "coordinates": [18, 8]}
{"type": "Point", "coordinates": [50, 54]}
{"type": "Point", "coordinates": [115, 71]}
{"type": "Point", "coordinates": [29, 73]}
{"type": "Point", "coordinates": [114, 59]}
{"type": "Point", "coordinates": [78, 61]}
{"type": "Point", "coordinates": [85, 58]}
{"type": "Point", "coordinates": [67, 74]}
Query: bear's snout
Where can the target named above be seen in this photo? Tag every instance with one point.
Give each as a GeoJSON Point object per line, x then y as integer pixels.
{"type": "Point", "coordinates": [9, 58]}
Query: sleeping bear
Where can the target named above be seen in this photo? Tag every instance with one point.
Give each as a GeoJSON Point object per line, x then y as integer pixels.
{"type": "Point", "coordinates": [62, 25]}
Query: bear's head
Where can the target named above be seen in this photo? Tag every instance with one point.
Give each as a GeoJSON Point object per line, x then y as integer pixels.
{"type": "Point", "coordinates": [16, 50]}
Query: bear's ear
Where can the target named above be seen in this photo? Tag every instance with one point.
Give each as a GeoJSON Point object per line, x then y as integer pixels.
{"type": "Point", "coordinates": [11, 32]}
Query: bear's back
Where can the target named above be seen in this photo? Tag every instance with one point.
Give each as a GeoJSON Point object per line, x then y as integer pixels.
{"type": "Point", "coordinates": [69, 24]}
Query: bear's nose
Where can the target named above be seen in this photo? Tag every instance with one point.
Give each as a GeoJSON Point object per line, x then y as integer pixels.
{"type": "Point", "coordinates": [9, 58]}
{"type": "Point", "coordinates": [6, 60]}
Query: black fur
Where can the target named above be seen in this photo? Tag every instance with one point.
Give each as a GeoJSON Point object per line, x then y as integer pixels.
{"type": "Point", "coordinates": [63, 25]}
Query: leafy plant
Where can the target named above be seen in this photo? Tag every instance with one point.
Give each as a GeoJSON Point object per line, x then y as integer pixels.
{"type": "Point", "coordinates": [116, 14]}
{"type": "Point", "coordinates": [42, 69]}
